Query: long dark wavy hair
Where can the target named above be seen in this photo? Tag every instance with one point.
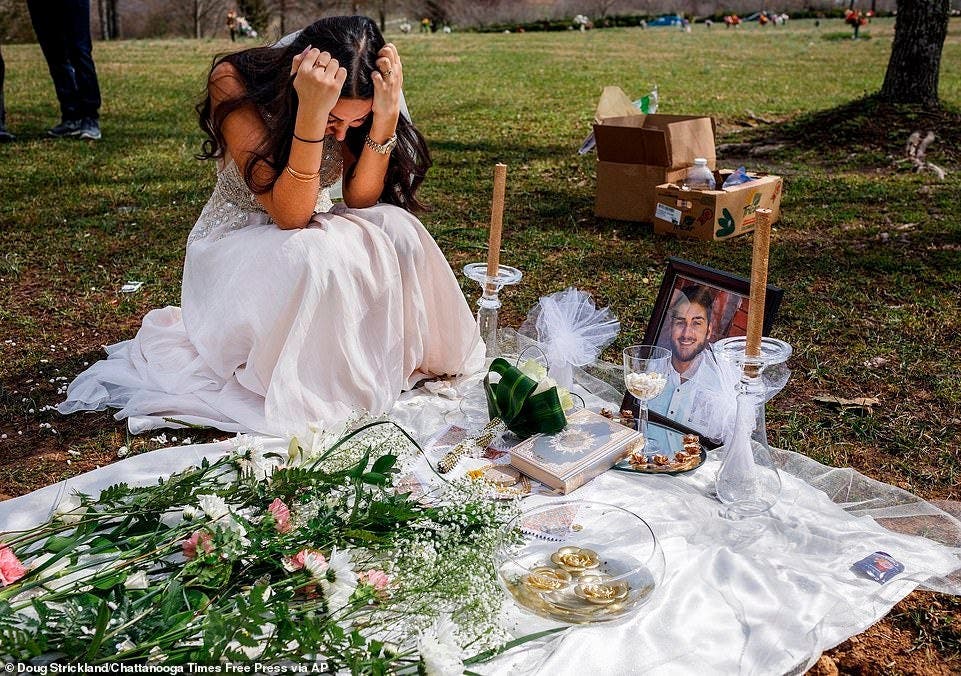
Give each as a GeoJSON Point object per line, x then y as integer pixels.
{"type": "Point", "coordinates": [354, 41]}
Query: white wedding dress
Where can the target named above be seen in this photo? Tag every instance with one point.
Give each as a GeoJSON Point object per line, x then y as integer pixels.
{"type": "Point", "coordinates": [284, 328]}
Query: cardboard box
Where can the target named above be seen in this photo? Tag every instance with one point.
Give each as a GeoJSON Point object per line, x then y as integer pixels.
{"type": "Point", "coordinates": [628, 192]}
{"type": "Point", "coordinates": [638, 152]}
{"type": "Point", "coordinates": [716, 214]}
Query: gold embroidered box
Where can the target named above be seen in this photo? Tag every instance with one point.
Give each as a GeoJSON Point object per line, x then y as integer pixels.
{"type": "Point", "coordinates": [588, 446]}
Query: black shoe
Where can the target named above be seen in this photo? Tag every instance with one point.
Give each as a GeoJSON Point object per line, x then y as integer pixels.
{"type": "Point", "coordinates": [65, 128]}
{"type": "Point", "coordinates": [5, 136]}
{"type": "Point", "coordinates": [89, 129]}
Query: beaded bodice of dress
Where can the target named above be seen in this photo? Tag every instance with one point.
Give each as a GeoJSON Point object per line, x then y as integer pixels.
{"type": "Point", "coordinates": [232, 205]}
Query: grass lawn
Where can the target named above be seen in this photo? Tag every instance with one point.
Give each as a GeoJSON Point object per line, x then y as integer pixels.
{"type": "Point", "coordinates": [868, 252]}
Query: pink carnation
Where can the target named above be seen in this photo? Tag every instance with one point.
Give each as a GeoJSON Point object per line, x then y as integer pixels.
{"type": "Point", "coordinates": [299, 560]}
{"type": "Point", "coordinates": [281, 514]}
{"type": "Point", "coordinates": [199, 537]}
{"type": "Point", "coordinates": [314, 562]}
{"type": "Point", "coordinates": [11, 569]}
{"type": "Point", "coordinates": [377, 579]}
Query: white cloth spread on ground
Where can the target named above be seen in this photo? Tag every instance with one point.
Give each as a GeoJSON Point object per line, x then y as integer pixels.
{"type": "Point", "coordinates": [728, 604]}
{"type": "Point", "coordinates": [280, 328]}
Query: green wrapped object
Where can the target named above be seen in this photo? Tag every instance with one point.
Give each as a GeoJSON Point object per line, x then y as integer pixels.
{"type": "Point", "coordinates": [512, 399]}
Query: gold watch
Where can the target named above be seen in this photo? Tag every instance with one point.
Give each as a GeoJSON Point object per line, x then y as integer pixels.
{"type": "Point", "coordinates": [381, 148]}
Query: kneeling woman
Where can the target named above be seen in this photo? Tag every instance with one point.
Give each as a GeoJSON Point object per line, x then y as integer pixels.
{"type": "Point", "coordinates": [295, 311]}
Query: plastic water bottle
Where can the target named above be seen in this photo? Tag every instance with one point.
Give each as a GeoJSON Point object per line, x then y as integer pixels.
{"type": "Point", "coordinates": [700, 177]}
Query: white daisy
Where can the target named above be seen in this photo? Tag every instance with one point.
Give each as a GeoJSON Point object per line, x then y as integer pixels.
{"type": "Point", "coordinates": [316, 565]}
{"type": "Point", "coordinates": [339, 591]}
{"type": "Point", "coordinates": [439, 650]}
{"type": "Point", "coordinates": [214, 506]}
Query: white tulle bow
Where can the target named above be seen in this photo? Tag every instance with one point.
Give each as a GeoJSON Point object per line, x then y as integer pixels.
{"type": "Point", "coordinates": [571, 329]}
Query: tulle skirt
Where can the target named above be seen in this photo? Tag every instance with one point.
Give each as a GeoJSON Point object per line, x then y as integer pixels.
{"type": "Point", "coordinates": [284, 328]}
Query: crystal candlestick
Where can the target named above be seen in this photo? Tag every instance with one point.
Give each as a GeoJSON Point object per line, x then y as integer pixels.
{"type": "Point", "coordinates": [748, 481]}
{"type": "Point", "coordinates": [489, 302]}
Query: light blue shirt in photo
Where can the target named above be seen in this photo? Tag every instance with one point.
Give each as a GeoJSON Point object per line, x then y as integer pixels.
{"type": "Point", "coordinates": [701, 401]}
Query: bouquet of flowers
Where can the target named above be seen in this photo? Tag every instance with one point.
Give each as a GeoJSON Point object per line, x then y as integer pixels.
{"type": "Point", "coordinates": [306, 556]}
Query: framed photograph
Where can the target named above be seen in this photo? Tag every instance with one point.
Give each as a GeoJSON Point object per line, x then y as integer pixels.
{"type": "Point", "coordinates": [697, 305]}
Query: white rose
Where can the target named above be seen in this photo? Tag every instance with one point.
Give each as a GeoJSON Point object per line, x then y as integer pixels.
{"type": "Point", "coordinates": [136, 581]}
{"type": "Point", "coordinates": [70, 510]}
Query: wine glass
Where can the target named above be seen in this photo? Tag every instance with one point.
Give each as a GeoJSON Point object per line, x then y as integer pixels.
{"type": "Point", "coordinates": [646, 368]}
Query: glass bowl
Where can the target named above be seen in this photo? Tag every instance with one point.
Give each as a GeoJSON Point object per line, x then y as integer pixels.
{"type": "Point", "coordinates": [579, 562]}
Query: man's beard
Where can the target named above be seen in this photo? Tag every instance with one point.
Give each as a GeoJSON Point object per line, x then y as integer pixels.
{"type": "Point", "coordinates": [687, 353]}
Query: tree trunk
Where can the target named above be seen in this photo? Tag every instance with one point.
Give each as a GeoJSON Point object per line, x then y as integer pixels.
{"type": "Point", "coordinates": [109, 25]}
{"type": "Point", "coordinates": [915, 64]}
{"type": "Point", "coordinates": [102, 13]}
{"type": "Point", "coordinates": [113, 18]}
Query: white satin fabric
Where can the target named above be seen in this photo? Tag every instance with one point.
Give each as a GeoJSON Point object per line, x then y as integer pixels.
{"type": "Point", "coordinates": [280, 328]}
{"type": "Point", "coordinates": [735, 602]}
{"type": "Point", "coordinates": [728, 604]}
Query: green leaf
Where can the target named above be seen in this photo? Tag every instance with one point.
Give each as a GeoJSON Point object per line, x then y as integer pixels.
{"type": "Point", "coordinates": [103, 617]}
{"type": "Point", "coordinates": [487, 654]}
{"type": "Point", "coordinates": [58, 543]}
{"type": "Point", "coordinates": [360, 534]}
{"type": "Point", "coordinates": [110, 582]}
{"type": "Point", "coordinates": [383, 464]}
{"type": "Point", "coordinates": [358, 471]}
{"type": "Point", "coordinates": [179, 620]}
{"type": "Point", "coordinates": [196, 599]}
{"type": "Point", "coordinates": [100, 544]}
{"type": "Point", "coordinates": [374, 479]}
{"type": "Point", "coordinates": [173, 599]}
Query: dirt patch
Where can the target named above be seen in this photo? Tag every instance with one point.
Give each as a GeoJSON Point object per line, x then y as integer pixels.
{"type": "Point", "coordinates": [911, 640]}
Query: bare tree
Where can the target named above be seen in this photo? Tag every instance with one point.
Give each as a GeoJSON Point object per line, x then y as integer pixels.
{"type": "Point", "coordinates": [109, 19]}
{"type": "Point", "coordinates": [599, 9]}
{"type": "Point", "coordinates": [915, 64]}
{"type": "Point", "coordinates": [202, 11]}
{"type": "Point", "coordinates": [383, 6]}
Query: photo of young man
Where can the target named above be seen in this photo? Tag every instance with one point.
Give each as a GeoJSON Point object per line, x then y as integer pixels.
{"type": "Point", "coordinates": [696, 394]}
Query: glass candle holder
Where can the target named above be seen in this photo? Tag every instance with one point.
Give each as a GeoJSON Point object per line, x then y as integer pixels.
{"type": "Point", "coordinates": [489, 302]}
{"type": "Point", "coordinates": [748, 482]}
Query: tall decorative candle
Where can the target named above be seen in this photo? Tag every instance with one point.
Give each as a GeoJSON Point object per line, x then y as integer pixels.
{"type": "Point", "coordinates": [497, 220]}
{"type": "Point", "coordinates": [759, 264]}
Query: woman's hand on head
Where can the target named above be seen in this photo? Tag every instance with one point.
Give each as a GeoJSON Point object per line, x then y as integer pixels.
{"type": "Point", "coordinates": [388, 81]}
{"type": "Point", "coordinates": [318, 80]}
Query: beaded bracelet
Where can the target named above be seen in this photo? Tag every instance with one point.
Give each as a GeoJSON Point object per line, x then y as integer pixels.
{"type": "Point", "coordinates": [300, 176]}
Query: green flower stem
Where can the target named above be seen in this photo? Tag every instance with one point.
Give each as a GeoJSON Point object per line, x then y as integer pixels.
{"type": "Point", "coordinates": [122, 562]}
{"type": "Point", "coordinates": [488, 654]}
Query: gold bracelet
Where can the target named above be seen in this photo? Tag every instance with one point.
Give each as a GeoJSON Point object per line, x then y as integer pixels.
{"type": "Point", "coordinates": [306, 178]}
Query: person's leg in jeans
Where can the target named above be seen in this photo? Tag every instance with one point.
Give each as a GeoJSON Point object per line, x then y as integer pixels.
{"type": "Point", "coordinates": [4, 134]}
{"type": "Point", "coordinates": [46, 18]}
{"type": "Point", "coordinates": [63, 30]}
{"type": "Point", "coordinates": [76, 29]}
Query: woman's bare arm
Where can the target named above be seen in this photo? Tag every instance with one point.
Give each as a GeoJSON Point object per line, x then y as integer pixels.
{"type": "Point", "coordinates": [364, 176]}
{"type": "Point", "coordinates": [291, 201]}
